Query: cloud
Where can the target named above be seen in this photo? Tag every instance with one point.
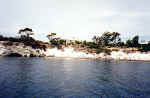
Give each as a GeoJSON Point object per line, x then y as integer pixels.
{"type": "Point", "coordinates": [79, 18]}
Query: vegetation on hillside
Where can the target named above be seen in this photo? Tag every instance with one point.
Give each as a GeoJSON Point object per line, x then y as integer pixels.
{"type": "Point", "coordinates": [100, 43]}
{"type": "Point", "coordinates": [25, 37]}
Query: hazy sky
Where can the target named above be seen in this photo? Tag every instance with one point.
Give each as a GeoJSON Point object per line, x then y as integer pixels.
{"type": "Point", "coordinates": [79, 18]}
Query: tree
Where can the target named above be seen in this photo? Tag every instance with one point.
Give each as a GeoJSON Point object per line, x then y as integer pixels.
{"type": "Point", "coordinates": [51, 36]}
{"type": "Point", "coordinates": [26, 32]}
{"type": "Point", "coordinates": [135, 41]}
{"type": "Point", "coordinates": [56, 41]}
{"type": "Point", "coordinates": [107, 38]}
{"type": "Point", "coordinates": [120, 44]}
{"type": "Point", "coordinates": [62, 42]}
{"type": "Point", "coordinates": [78, 42]}
{"type": "Point", "coordinates": [129, 43]}
{"type": "Point", "coordinates": [96, 39]}
{"type": "Point", "coordinates": [115, 37]}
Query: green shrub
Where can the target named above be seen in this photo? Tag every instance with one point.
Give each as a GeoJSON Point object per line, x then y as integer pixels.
{"type": "Point", "coordinates": [99, 50]}
{"type": "Point", "coordinates": [92, 45]}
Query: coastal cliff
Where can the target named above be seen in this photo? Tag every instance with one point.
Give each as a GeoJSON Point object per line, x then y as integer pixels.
{"type": "Point", "coordinates": [114, 55]}
{"type": "Point", "coordinates": [21, 50]}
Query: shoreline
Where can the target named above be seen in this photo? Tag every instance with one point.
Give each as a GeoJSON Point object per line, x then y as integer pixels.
{"type": "Point", "coordinates": [114, 55]}
{"type": "Point", "coordinates": [100, 59]}
{"type": "Point", "coordinates": [71, 52]}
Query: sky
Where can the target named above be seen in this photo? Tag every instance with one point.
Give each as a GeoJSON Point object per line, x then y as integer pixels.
{"type": "Point", "coordinates": [79, 19]}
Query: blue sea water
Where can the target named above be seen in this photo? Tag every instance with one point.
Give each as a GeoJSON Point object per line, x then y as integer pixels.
{"type": "Point", "coordinates": [73, 78]}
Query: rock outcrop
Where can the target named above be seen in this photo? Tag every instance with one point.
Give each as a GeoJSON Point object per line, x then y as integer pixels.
{"type": "Point", "coordinates": [20, 50]}
{"type": "Point", "coordinates": [14, 55]}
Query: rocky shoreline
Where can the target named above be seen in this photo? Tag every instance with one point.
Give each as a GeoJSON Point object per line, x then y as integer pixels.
{"type": "Point", "coordinates": [27, 51]}
{"type": "Point", "coordinates": [20, 50]}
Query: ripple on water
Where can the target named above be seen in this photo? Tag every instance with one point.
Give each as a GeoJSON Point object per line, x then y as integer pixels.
{"type": "Point", "coordinates": [73, 78]}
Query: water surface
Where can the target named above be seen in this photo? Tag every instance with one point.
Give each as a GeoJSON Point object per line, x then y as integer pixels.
{"type": "Point", "coordinates": [73, 78]}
